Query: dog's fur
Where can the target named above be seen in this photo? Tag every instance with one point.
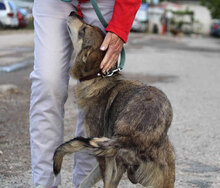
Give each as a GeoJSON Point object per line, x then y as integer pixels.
{"type": "Point", "coordinates": [126, 121]}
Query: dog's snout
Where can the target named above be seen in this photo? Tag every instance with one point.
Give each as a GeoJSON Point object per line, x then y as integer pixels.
{"type": "Point", "coordinates": [72, 13]}
{"type": "Point", "coordinates": [75, 15]}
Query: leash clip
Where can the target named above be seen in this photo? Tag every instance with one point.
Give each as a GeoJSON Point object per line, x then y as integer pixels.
{"type": "Point", "coordinates": [111, 73]}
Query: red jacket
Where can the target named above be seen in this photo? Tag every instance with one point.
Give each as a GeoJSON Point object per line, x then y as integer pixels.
{"type": "Point", "coordinates": [123, 17]}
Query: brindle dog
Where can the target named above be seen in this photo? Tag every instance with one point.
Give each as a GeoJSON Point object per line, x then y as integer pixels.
{"type": "Point", "coordinates": [126, 121]}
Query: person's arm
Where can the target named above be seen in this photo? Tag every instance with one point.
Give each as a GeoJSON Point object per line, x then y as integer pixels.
{"type": "Point", "coordinates": [123, 17]}
{"type": "Point", "coordinates": [118, 30]}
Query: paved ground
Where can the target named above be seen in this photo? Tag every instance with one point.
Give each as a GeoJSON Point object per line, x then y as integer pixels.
{"type": "Point", "coordinates": [186, 69]}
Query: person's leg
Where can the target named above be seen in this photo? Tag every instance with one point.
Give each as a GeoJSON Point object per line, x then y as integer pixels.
{"type": "Point", "coordinates": [49, 78]}
{"type": "Point", "coordinates": [84, 161]}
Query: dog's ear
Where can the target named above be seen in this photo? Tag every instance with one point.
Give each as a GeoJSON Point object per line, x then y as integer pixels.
{"type": "Point", "coordinates": [86, 55]}
{"type": "Point", "coordinates": [93, 60]}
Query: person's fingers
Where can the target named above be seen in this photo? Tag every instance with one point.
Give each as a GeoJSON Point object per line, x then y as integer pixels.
{"type": "Point", "coordinates": [114, 45]}
{"type": "Point", "coordinates": [106, 42]}
{"type": "Point", "coordinates": [111, 62]}
{"type": "Point", "coordinates": [110, 59]}
{"type": "Point", "coordinates": [104, 62]}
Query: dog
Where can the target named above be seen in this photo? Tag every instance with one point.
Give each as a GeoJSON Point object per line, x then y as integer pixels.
{"type": "Point", "coordinates": [126, 121]}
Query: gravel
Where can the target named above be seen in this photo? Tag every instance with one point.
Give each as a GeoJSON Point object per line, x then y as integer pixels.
{"type": "Point", "coordinates": [186, 69]}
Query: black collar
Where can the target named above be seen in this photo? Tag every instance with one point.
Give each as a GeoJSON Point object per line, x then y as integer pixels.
{"type": "Point", "coordinates": [99, 74]}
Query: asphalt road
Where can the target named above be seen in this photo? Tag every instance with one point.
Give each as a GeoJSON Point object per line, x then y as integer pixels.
{"type": "Point", "coordinates": [194, 91]}
{"type": "Point", "coordinates": [187, 69]}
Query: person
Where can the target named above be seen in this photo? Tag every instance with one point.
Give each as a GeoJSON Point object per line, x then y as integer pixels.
{"type": "Point", "coordinates": [50, 77]}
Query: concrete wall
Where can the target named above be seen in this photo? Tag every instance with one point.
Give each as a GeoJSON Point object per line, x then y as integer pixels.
{"type": "Point", "coordinates": [202, 18]}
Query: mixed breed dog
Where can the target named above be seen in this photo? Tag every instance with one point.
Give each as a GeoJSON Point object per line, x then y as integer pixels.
{"type": "Point", "coordinates": [126, 121]}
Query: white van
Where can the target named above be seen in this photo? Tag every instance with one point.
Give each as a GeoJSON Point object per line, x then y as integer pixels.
{"type": "Point", "coordinates": [8, 14]}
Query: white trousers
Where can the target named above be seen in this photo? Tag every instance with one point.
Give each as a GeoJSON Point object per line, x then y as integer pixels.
{"type": "Point", "coordinates": [50, 79]}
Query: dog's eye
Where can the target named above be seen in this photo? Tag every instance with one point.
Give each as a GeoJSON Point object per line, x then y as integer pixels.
{"type": "Point", "coordinates": [82, 32]}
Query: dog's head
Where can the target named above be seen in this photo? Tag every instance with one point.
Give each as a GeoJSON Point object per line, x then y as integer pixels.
{"type": "Point", "coordinates": [86, 41]}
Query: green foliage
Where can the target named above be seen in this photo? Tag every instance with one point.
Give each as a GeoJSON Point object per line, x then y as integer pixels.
{"type": "Point", "coordinates": [213, 6]}
{"type": "Point", "coordinates": [183, 12]}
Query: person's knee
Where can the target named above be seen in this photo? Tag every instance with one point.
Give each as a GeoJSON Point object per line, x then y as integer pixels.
{"type": "Point", "coordinates": [51, 83]}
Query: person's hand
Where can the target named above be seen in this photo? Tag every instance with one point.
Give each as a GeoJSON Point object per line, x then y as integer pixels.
{"type": "Point", "coordinates": [113, 44]}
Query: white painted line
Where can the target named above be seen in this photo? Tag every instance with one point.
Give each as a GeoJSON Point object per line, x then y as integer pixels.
{"type": "Point", "coordinates": [17, 66]}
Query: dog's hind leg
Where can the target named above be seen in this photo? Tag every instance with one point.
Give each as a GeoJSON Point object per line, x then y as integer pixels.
{"type": "Point", "coordinates": [159, 172]}
{"type": "Point", "coordinates": [93, 177]}
{"type": "Point", "coordinates": [113, 172]}
{"type": "Point", "coordinates": [130, 160]}
{"type": "Point", "coordinates": [150, 175]}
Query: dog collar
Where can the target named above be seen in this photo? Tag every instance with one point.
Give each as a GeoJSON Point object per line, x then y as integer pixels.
{"type": "Point", "coordinates": [100, 74]}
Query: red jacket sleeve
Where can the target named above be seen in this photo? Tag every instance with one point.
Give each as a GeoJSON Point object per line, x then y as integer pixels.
{"type": "Point", "coordinates": [123, 17]}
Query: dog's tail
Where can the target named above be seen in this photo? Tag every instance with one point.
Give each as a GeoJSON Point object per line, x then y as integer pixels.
{"type": "Point", "coordinates": [100, 147]}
